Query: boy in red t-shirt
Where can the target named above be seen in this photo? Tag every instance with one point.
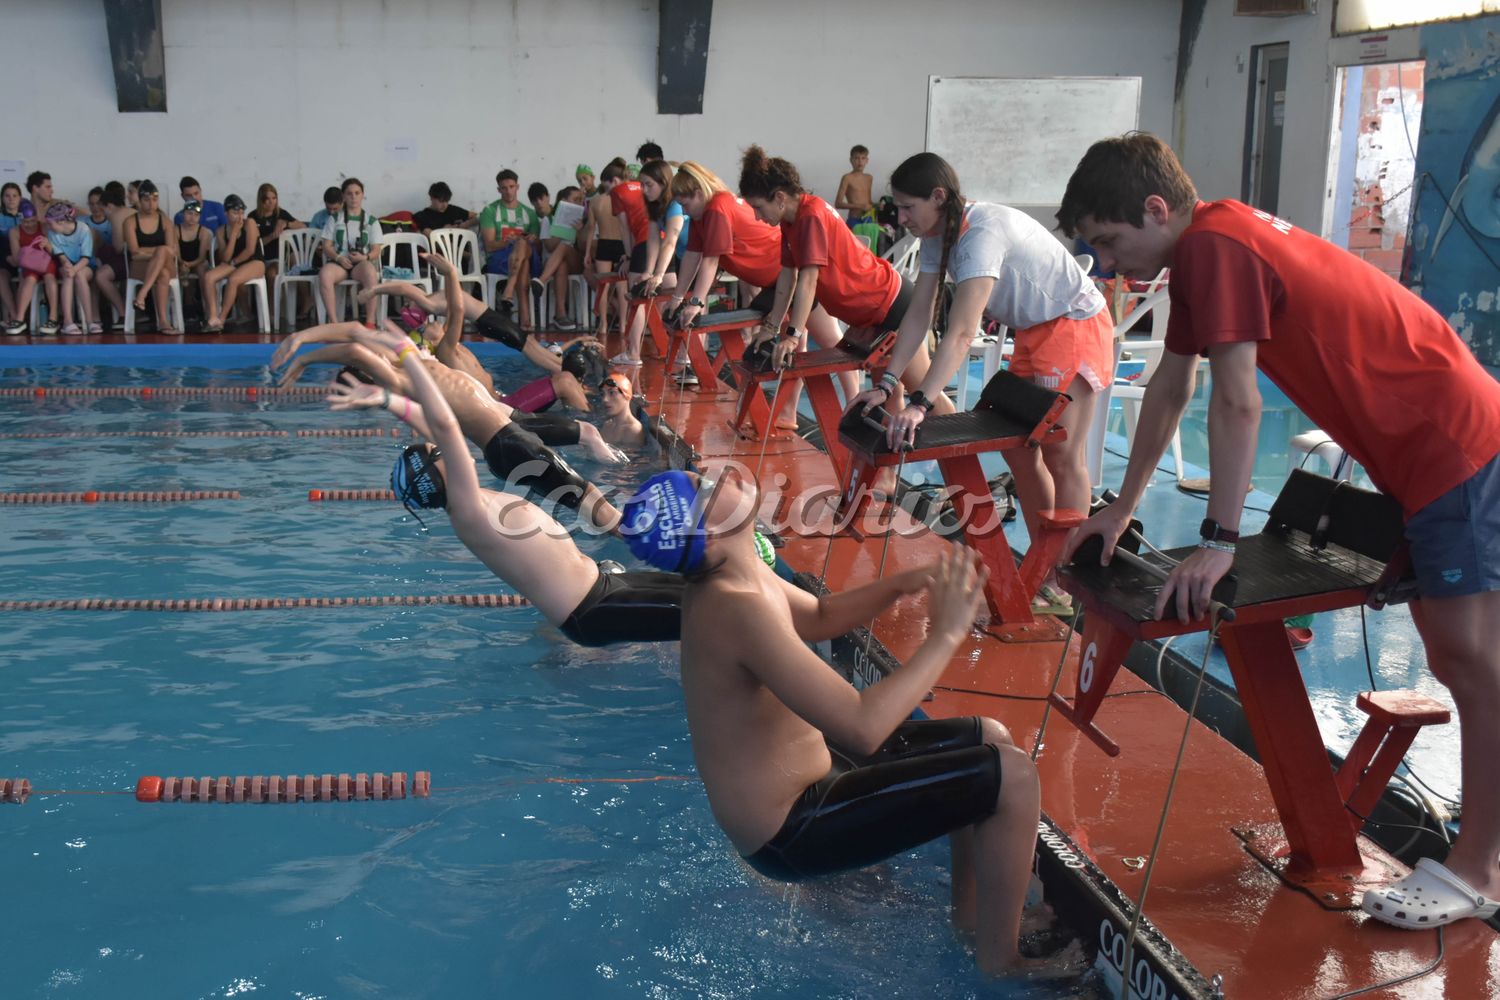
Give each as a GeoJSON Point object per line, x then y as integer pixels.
{"type": "Point", "coordinates": [1385, 376]}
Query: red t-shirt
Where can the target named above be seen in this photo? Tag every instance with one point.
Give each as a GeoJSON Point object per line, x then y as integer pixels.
{"type": "Point", "coordinates": [627, 197]}
{"type": "Point", "coordinates": [1368, 361]}
{"type": "Point", "coordinates": [854, 285]}
{"type": "Point", "coordinates": [746, 247]}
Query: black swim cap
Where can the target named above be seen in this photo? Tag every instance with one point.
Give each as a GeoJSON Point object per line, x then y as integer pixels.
{"type": "Point", "coordinates": [586, 362]}
{"type": "Point", "coordinates": [416, 480]}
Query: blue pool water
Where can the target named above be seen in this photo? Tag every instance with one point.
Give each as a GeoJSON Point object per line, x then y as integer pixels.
{"type": "Point", "coordinates": [502, 884]}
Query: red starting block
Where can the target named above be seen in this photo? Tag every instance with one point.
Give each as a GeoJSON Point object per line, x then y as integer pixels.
{"type": "Point", "coordinates": [728, 326]}
{"type": "Point", "coordinates": [863, 349]}
{"type": "Point", "coordinates": [1012, 414]}
{"type": "Point", "coordinates": [1326, 545]}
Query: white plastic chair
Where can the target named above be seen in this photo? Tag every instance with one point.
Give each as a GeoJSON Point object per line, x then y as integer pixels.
{"type": "Point", "coordinates": [296, 252]}
{"type": "Point", "coordinates": [262, 306]}
{"type": "Point", "coordinates": [174, 307]}
{"type": "Point", "coordinates": [1317, 444]}
{"type": "Point", "coordinates": [36, 298]}
{"type": "Point", "coordinates": [992, 350]}
{"type": "Point", "coordinates": [578, 289]}
{"type": "Point", "coordinates": [906, 256]}
{"type": "Point", "coordinates": [461, 246]}
{"type": "Point", "coordinates": [1130, 392]}
{"type": "Point", "coordinates": [865, 240]}
{"type": "Point", "coordinates": [388, 258]}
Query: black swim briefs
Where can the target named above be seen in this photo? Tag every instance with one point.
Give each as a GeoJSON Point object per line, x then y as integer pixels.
{"type": "Point", "coordinates": [494, 326]}
{"type": "Point", "coordinates": [628, 607]}
{"type": "Point", "coordinates": [930, 778]}
{"type": "Point", "coordinates": [609, 251]}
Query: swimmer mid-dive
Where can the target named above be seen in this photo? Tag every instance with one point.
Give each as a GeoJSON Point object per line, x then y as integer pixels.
{"type": "Point", "coordinates": [515, 445]}
{"type": "Point", "coordinates": [517, 540]}
{"type": "Point", "coordinates": [580, 365]}
{"type": "Point", "coordinates": [808, 775]}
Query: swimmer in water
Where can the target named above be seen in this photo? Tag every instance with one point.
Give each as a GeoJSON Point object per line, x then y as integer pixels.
{"type": "Point", "coordinates": [519, 542]}
{"type": "Point", "coordinates": [561, 382]}
{"type": "Point", "coordinates": [517, 447]}
{"type": "Point", "coordinates": [766, 715]}
{"type": "Point", "coordinates": [624, 413]}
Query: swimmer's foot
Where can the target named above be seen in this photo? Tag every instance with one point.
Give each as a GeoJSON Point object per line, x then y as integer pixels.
{"type": "Point", "coordinates": [1038, 919]}
{"type": "Point", "coordinates": [1068, 962]}
{"type": "Point", "coordinates": [786, 424]}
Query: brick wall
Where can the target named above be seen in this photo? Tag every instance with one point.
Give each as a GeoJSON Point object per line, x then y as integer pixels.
{"type": "Point", "coordinates": [1382, 186]}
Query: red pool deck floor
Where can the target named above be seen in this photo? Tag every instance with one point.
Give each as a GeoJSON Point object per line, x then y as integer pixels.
{"type": "Point", "coordinates": [1226, 913]}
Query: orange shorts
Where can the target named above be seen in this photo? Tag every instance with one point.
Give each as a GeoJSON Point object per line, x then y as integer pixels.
{"type": "Point", "coordinates": [1051, 353]}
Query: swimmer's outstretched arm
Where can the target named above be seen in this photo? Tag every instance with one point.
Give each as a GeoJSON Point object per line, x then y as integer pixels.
{"type": "Point", "coordinates": [453, 305]}
{"type": "Point", "coordinates": [833, 615]}
{"type": "Point", "coordinates": [355, 355]}
{"type": "Point", "coordinates": [349, 393]}
{"type": "Point", "coordinates": [328, 333]}
{"type": "Point", "coordinates": [856, 720]}
{"type": "Point", "coordinates": [406, 290]}
{"type": "Point", "coordinates": [465, 499]}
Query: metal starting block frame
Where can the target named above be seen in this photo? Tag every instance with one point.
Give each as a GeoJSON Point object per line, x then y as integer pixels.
{"type": "Point", "coordinates": [863, 349]}
{"type": "Point", "coordinates": [1012, 414]}
{"type": "Point", "coordinates": [1326, 545]}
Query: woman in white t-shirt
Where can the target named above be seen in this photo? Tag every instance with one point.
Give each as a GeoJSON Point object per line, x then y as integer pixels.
{"type": "Point", "coordinates": [1009, 268]}
{"type": "Point", "coordinates": [351, 248]}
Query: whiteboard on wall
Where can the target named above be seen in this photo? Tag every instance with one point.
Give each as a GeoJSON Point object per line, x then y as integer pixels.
{"type": "Point", "coordinates": [1016, 142]}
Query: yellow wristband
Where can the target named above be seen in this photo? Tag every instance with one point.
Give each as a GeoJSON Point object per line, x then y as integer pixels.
{"type": "Point", "coordinates": [401, 354]}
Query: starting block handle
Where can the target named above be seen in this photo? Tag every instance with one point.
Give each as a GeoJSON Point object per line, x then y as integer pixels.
{"type": "Point", "coordinates": [1218, 608]}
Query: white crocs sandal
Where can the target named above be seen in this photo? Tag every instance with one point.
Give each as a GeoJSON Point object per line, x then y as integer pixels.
{"type": "Point", "coordinates": [1431, 896]}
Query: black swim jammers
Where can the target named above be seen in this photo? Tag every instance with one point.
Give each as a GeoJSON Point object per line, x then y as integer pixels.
{"type": "Point", "coordinates": [494, 326]}
{"type": "Point", "coordinates": [930, 778]}
{"type": "Point", "coordinates": [628, 607]}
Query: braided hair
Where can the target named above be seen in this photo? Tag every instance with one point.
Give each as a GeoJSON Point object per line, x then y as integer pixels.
{"type": "Point", "coordinates": [920, 175]}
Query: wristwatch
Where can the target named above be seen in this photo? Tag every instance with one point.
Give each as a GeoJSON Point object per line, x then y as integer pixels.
{"type": "Point", "coordinates": [792, 333]}
{"type": "Point", "coordinates": [919, 398]}
{"type": "Point", "coordinates": [1210, 531]}
{"type": "Point", "coordinates": [695, 301]}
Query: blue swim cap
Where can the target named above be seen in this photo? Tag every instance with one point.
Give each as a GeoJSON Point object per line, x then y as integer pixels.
{"type": "Point", "coordinates": [416, 480]}
{"type": "Point", "coordinates": [663, 522]}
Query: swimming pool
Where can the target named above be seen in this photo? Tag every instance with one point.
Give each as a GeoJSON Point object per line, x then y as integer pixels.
{"type": "Point", "coordinates": [533, 870]}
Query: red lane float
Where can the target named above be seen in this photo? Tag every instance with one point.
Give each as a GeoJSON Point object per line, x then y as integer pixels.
{"type": "Point", "coordinates": [113, 496]}
{"type": "Point", "coordinates": [49, 435]}
{"type": "Point", "coordinates": [264, 603]}
{"type": "Point", "coordinates": [330, 432]}
{"type": "Point", "coordinates": [14, 790]}
{"type": "Point", "coordinates": [292, 788]}
{"type": "Point", "coordinates": [172, 391]}
{"type": "Point", "coordinates": [333, 495]}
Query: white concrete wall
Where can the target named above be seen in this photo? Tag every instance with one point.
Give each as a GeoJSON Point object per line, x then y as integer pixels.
{"type": "Point", "coordinates": [304, 92]}
{"type": "Point", "coordinates": [1210, 131]}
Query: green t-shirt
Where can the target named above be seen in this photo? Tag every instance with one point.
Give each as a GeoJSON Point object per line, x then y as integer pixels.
{"type": "Point", "coordinates": [499, 218]}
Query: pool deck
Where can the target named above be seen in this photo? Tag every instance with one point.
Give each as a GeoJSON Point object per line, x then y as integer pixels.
{"type": "Point", "coordinates": [1214, 910]}
{"type": "Point", "coordinates": [1211, 901]}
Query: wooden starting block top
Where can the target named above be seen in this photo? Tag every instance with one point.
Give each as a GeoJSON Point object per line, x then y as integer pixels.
{"type": "Point", "coordinates": [1270, 569]}
{"type": "Point", "coordinates": [1012, 412]}
{"type": "Point", "coordinates": [732, 320]}
{"type": "Point", "coordinates": [1326, 545]}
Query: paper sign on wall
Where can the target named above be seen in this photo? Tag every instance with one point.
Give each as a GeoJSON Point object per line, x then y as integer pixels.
{"type": "Point", "coordinates": [401, 150]}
